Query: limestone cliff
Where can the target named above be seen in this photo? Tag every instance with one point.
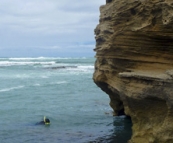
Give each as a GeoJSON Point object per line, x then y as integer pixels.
{"type": "Point", "coordinates": [134, 65]}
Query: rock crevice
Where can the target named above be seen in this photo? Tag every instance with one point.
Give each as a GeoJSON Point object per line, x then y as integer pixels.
{"type": "Point", "coordinates": [134, 65]}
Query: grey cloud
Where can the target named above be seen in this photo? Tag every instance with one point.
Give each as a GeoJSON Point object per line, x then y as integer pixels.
{"type": "Point", "coordinates": [32, 14]}
{"type": "Point", "coordinates": [46, 23]}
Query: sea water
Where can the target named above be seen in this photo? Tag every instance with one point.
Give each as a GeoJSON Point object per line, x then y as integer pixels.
{"type": "Point", "coordinates": [61, 89]}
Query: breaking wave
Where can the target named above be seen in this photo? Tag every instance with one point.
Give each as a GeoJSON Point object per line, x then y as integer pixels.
{"type": "Point", "coordinates": [11, 88]}
{"type": "Point", "coordinates": [21, 63]}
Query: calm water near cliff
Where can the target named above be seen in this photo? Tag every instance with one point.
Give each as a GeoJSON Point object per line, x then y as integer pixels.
{"type": "Point", "coordinates": [63, 90]}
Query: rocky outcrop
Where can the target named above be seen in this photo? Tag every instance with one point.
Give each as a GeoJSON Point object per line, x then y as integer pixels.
{"type": "Point", "coordinates": [134, 65]}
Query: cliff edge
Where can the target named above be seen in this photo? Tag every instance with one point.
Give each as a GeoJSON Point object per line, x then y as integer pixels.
{"type": "Point", "coordinates": [134, 65]}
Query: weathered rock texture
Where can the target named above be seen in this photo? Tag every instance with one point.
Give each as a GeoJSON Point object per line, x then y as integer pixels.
{"type": "Point", "coordinates": [134, 65]}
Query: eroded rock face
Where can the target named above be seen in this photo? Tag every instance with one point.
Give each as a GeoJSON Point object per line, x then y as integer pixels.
{"type": "Point", "coordinates": [134, 65]}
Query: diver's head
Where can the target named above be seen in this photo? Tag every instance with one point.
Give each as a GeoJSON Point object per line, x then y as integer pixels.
{"type": "Point", "coordinates": [47, 121]}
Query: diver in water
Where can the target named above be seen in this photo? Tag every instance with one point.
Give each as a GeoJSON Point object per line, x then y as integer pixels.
{"type": "Point", "coordinates": [45, 121]}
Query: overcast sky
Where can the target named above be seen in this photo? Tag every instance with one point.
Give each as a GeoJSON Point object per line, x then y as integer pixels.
{"type": "Point", "coordinates": [51, 28]}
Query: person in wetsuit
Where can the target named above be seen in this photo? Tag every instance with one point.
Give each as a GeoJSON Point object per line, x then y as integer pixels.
{"type": "Point", "coordinates": [45, 121]}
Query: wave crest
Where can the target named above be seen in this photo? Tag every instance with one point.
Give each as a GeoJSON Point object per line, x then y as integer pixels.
{"type": "Point", "coordinates": [11, 88]}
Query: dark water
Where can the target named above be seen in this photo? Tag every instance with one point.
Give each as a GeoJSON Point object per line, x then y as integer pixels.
{"type": "Point", "coordinates": [120, 133]}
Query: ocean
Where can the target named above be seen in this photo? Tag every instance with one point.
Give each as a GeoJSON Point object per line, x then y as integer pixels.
{"type": "Point", "coordinates": [61, 89]}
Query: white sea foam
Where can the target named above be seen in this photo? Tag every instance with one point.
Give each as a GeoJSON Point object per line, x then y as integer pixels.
{"type": "Point", "coordinates": [86, 67]}
{"type": "Point", "coordinates": [29, 59]}
{"type": "Point", "coordinates": [21, 76]}
{"type": "Point", "coordinates": [11, 88]}
{"type": "Point", "coordinates": [52, 83]}
{"type": "Point", "coordinates": [43, 58]}
{"type": "Point", "coordinates": [13, 63]}
{"type": "Point", "coordinates": [59, 82]}
{"type": "Point", "coordinates": [36, 84]}
{"type": "Point", "coordinates": [44, 76]}
{"type": "Point", "coordinates": [82, 69]}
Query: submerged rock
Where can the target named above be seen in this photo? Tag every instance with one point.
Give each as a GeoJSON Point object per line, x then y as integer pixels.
{"type": "Point", "coordinates": [134, 64]}
{"type": "Point", "coordinates": [62, 67]}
